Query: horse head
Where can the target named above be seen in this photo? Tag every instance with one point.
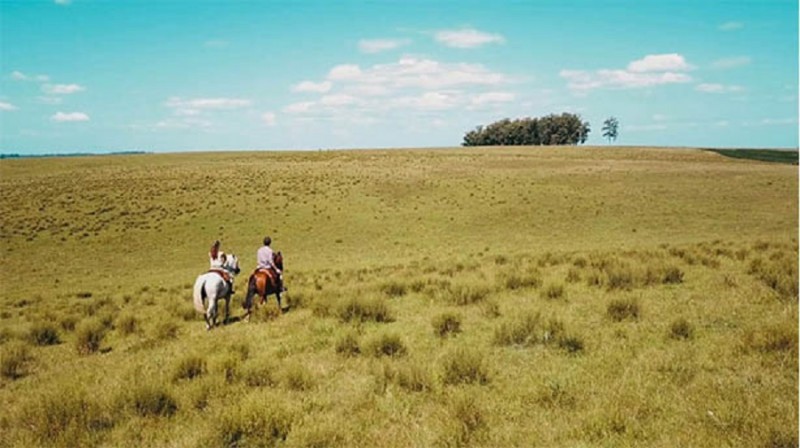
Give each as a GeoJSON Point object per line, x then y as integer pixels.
{"type": "Point", "coordinates": [231, 264]}
{"type": "Point", "coordinates": [277, 259]}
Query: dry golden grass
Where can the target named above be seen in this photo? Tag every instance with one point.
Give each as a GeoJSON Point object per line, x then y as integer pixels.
{"type": "Point", "coordinates": [591, 297]}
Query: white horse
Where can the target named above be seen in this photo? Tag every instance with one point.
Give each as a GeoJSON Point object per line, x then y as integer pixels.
{"type": "Point", "coordinates": [212, 287]}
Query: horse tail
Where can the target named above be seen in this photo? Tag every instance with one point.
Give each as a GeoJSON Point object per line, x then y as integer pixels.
{"type": "Point", "coordinates": [200, 295]}
{"type": "Point", "coordinates": [251, 291]}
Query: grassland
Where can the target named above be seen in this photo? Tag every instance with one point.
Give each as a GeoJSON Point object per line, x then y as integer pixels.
{"type": "Point", "coordinates": [465, 297]}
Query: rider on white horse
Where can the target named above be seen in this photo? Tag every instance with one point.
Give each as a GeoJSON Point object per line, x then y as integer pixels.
{"type": "Point", "coordinates": [212, 286]}
{"type": "Point", "coordinates": [217, 262]}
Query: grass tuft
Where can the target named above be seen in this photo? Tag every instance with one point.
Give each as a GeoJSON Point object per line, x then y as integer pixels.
{"type": "Point", "coordinates": [672, 275]}
{"type": "Point", "coordinates": [468, 422]}
{"type": "Point", "coordinates": [152, 400]}
{"type": "Point", "coordinates": [446, 324]}
{"type": "Point", "coordinates": [681, 329]}
{"type": "Point", "coordinates": [393, 289]}
{"type": "Point", "coordinates": [347, 344]}
{"type": "Point", "coordinates": [522, 330]}
{"type": "Point", "coordinates": [517, 280]}
{"type": "Point", "coordinates": [296, 376]}
{"type": "Point", "coordinates": [44, 334]}
{"type": "Point", "coordinates": [781, 338]}
{"type": "Point", "coordinates": [621, 309]}
{"type": "Point", "coordinates": [260, 374]}
{"type": "Point", "coordinates": [14, 359]}
{"type": "Point", "coordinates": [259, 421]}
{"type": "Point", "coordinates": [127, 324]}
{"type": "Point", "coordinates": [466, 294]}
{"type": "Point", "coordinates": [66, 418]}
{"type": "Point", "coordinates": [166, 330]}
{"type": "Point", "coordinates": [464, 366]}
{"type": "Point", "coordinates": [89, 336]}
{"type": "Point", "coordinates": [364, 309]}
{"type": "Point", "coordinates": [189, 368]}
{"type": "Point", "coordinates": [386, 344]}
{"type": "Point", "coordinates": [414, 378]}
{"type": "Point", "coordinates": [553, 291]}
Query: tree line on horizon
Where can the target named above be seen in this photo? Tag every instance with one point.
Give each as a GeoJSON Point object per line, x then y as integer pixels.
{"type": "Point", "coordinates": [553, 129]}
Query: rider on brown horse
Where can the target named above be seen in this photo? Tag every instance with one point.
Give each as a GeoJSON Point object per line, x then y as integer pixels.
{"type": "Point", "coordinates": [266, 279]}
{"type": "Point", "coordinates": [265, 260]}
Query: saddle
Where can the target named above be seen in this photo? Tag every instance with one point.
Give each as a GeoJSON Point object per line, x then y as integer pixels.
{"type": "Point", "coordinates": [268, 272]}
{"type": "Point", "coordinates": [222, 273]}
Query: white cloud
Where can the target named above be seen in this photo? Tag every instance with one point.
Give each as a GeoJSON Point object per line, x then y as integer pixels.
{"type": "Point", "coordinates": [7, 107]}
{"type": "Point", "coordinates": [344, 72]}
{"type": "Point", "coordinates": [731, 26]}
{"type": "Point", "coordinates": [379, 45]}
{"type": "Point", "coordinates": [779, 121]}
{"type": "Point", "coordinates": [299, 108]}
{"type": "Point", "coordinates": [309, 86]}
{"type": "Point", "coordinates": [268, 118]}
{"type": "Point", "coordinates": [50, 99]}
{"type": "Point", "coordinates": [62, 89]}
{"type": "Point", "coordinates": [722, 123]}
{"type": "Point", "coordinates": [659, 117]}
{"type": "Point", "coordinates": [17, 75]}
{"type": "Point", "coordinates": [732, 62]}
{"type": "Point", "coordinates": [581, 80]}
{"type": "Point", "coordinates": [198, 106]}
{"type": "Point", "coordinates": [651, 70]}
{"type": "Point", "coordinates": [492, 98]}
{"type": "Point", "coordinates": [419, 86]}
{"type": "Point", "coordinates": [193, 112]}
{"type": "Point", "coordinates": [467, 38]}
{"type": "Point", "coordinates": [368, 90]}
{"type": "Point", "coordinates": [428, 101]}
{"type": "Point", "coordinates": [207, 103]}
{"type": "Point", "coordinates": [659, 63]}
{"type": "Point", "coordinates": [184, 123]}
{"type": "Point", "coordinates": [62, 2]}
{"type": "Point", "coordinates": [61, 117]}
{"type": "Point", "coordinates": [340, 99]}
{"type": "Point", "coordinates": [413, 72]}
{"type": "Point", "coordinates": [717, 88]}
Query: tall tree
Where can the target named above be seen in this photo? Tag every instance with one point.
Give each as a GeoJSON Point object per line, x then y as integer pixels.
{"type": "Point", "coordinates": [611, 129]}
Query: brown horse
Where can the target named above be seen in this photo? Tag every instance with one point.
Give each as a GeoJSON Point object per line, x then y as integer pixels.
{"type": "Point", "coordinates": [264, 282]}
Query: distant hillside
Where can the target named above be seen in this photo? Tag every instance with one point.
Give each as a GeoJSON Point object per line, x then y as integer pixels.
{"type": "Point", "coordinates": [74, 154]}
{"type": "Point", "coordinates": [764, 155]}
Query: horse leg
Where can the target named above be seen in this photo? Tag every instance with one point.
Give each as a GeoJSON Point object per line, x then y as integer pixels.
{"type": "Point", "coordinates": [248, 300]}
{"type": "Point", "coordinates": [212, 312]}
{"type": "Point", "coordinates": [278, 296]}
{"type": "Point", "coordinates": [227, 306]}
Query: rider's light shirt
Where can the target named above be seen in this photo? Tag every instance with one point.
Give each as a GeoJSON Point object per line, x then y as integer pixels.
{"type": "Point", "coordinates": [264, 258]}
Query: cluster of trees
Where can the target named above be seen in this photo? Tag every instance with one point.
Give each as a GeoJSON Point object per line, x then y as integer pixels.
{"type": "Point", "coordinates": [564, 129]}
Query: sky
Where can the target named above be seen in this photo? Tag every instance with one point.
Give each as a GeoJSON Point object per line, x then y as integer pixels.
{"type": "Point", "coordinates": [187, 75]}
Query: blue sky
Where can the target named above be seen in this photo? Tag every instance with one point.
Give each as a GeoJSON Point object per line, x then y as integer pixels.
{"type": "Point", "coordinates": [99, 76]}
